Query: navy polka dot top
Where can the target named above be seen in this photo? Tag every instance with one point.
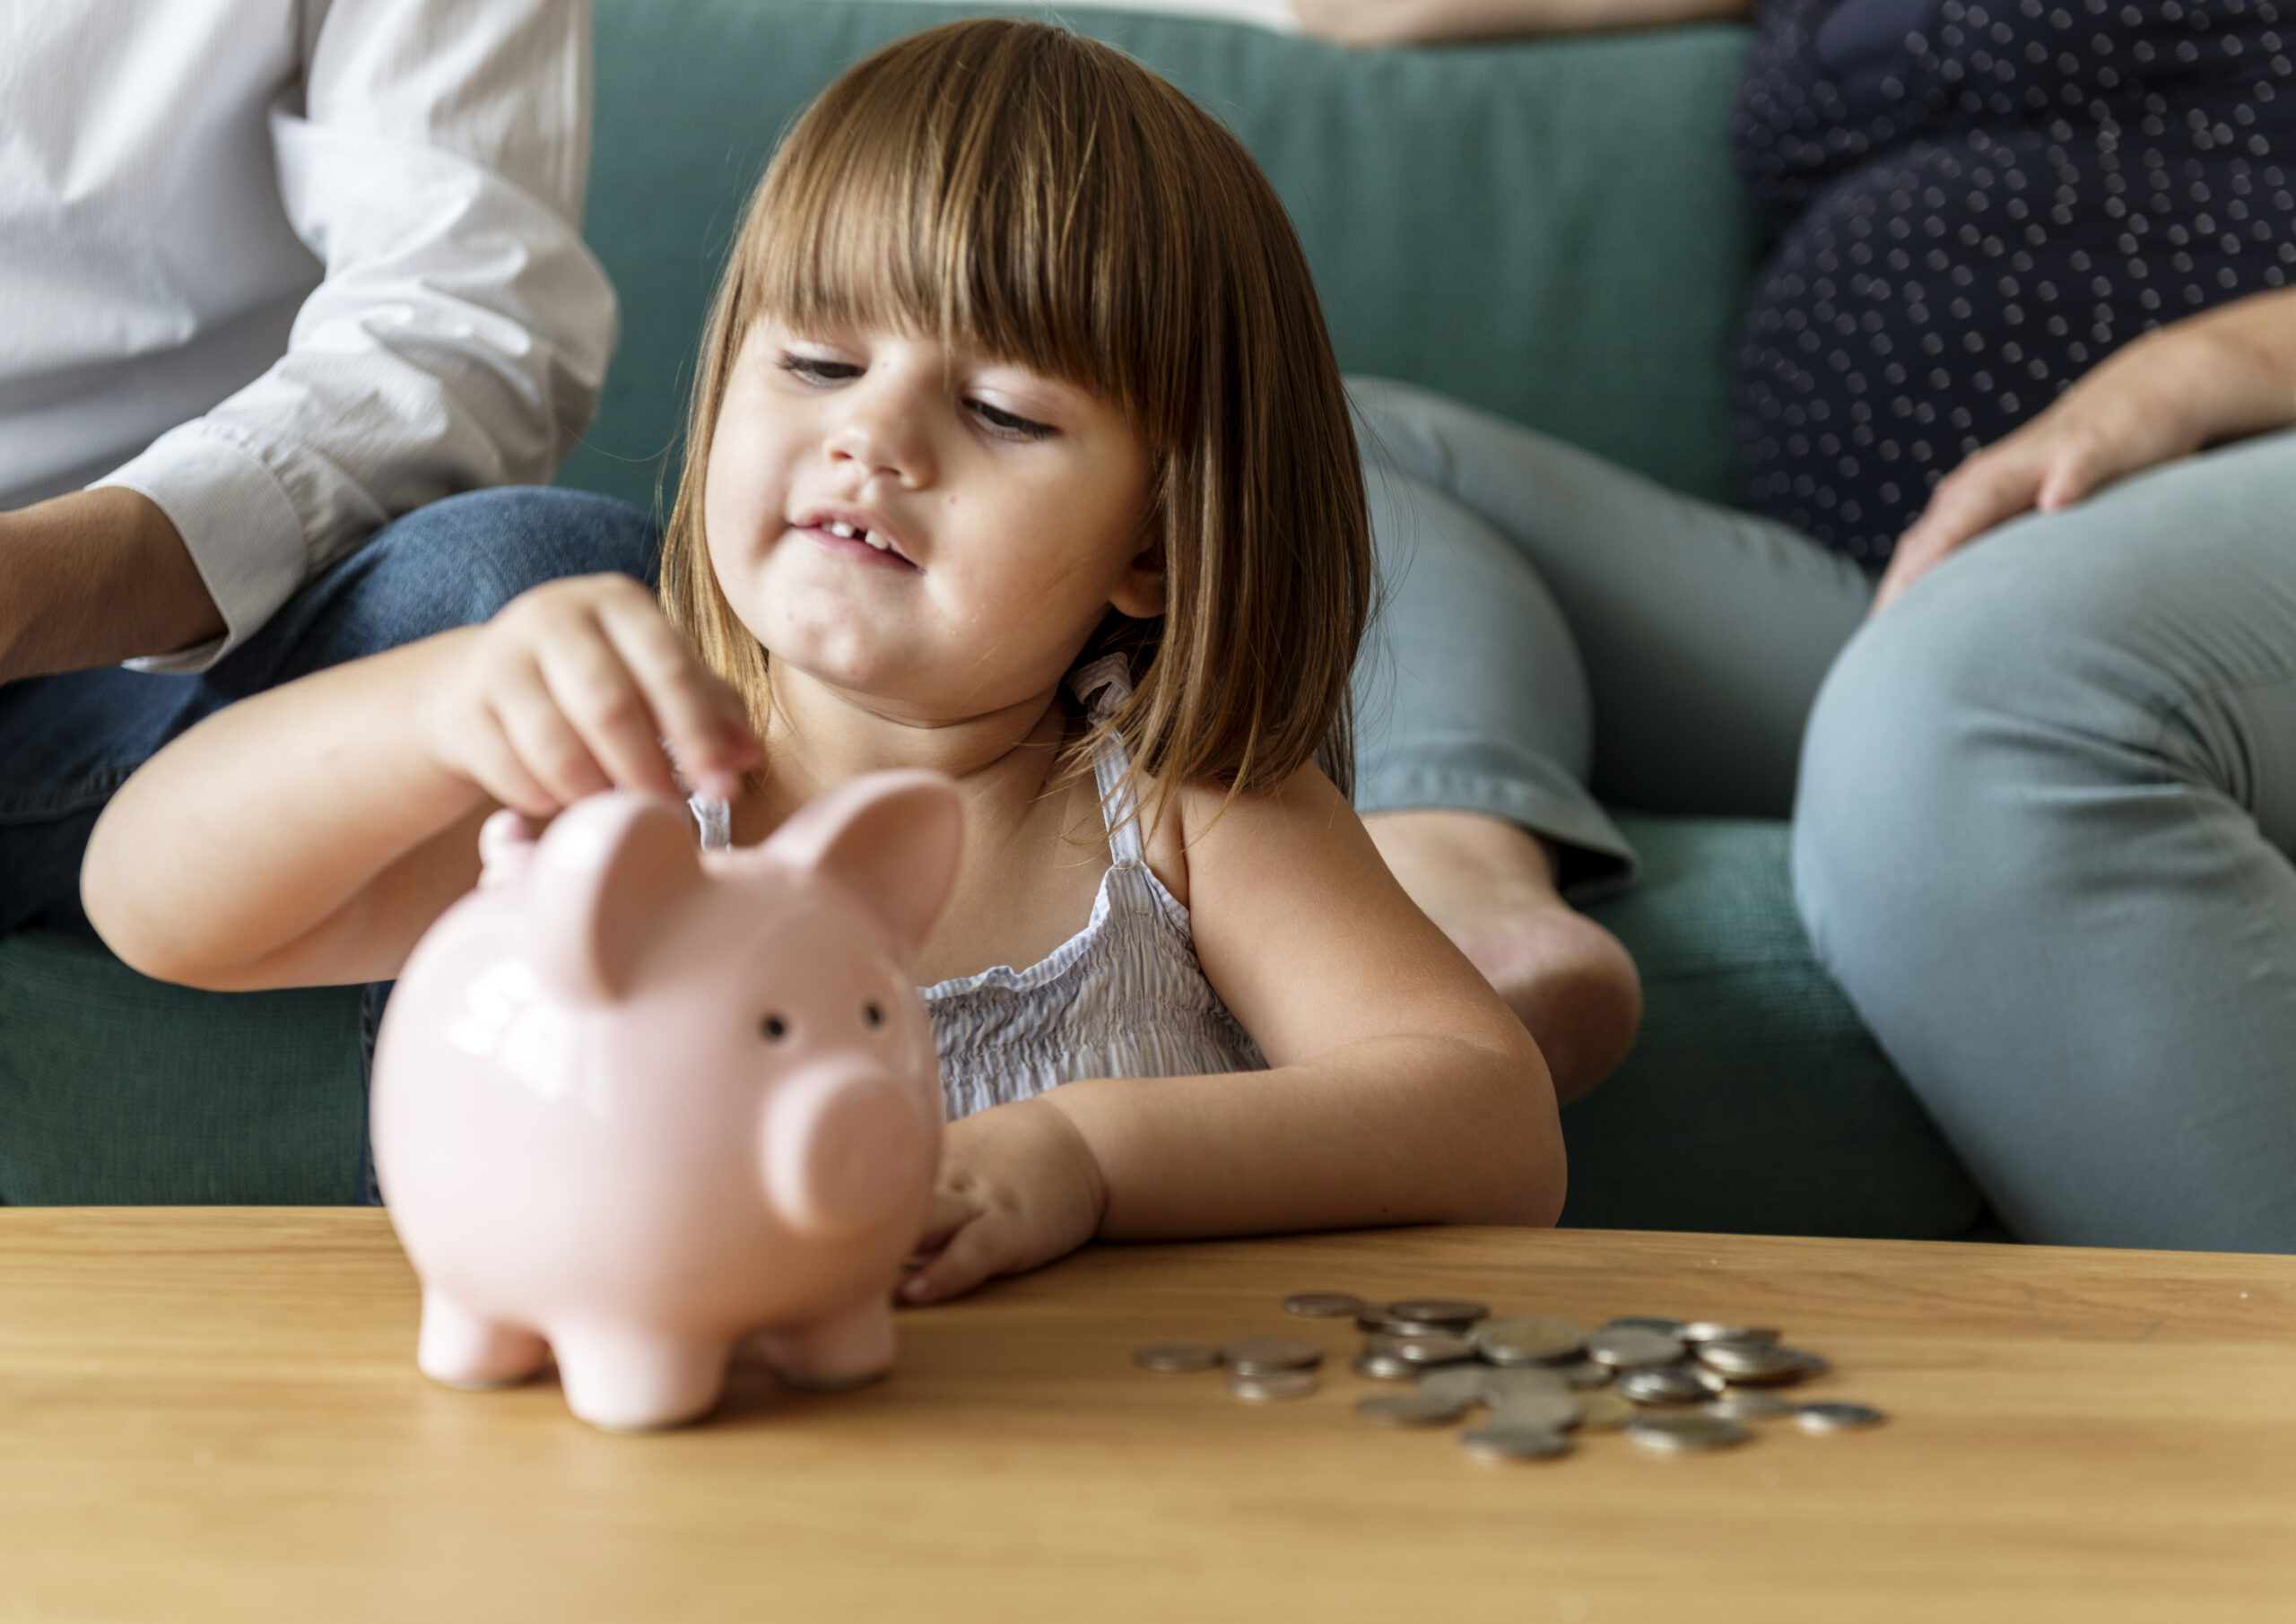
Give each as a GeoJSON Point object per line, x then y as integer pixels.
{"type": "Point", "coordinates": [1977, 203]}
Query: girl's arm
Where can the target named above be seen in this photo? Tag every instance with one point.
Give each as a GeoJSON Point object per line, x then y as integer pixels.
{"type": "Point", "coordinates": [1375, 23]}
{"type": "Point", "coordinates": [309, 835]}
{"type": "Point", "coordinates": [1402, 1090]}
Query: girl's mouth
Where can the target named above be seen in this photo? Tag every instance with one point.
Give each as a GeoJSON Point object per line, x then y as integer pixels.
{"type": "Point", "coordinates": [863, 546]}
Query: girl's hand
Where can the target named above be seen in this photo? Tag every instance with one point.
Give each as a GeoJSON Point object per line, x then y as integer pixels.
{"type": "Point", "coordinates": [577, 687]}
{"type": "Point", "coordinates": [2215, 376]}
{"type": "Point", "coordinates": [1019, 1187]}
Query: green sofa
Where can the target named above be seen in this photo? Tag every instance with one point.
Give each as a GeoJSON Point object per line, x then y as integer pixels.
{"type": "Point", "coordinates": [1551, 232]}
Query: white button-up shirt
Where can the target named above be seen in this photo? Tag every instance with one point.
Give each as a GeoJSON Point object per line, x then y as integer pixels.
{"type": "Point", "coordinates": [292, 267]}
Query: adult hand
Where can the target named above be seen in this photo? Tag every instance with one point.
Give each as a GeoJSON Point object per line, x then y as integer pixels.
{"type": "Point", "coordinates": [1018, 1187]}
{"type": "Point", "coordinates": [2164, 395]}
{"type": "Point", "coordinates": [95, 577]}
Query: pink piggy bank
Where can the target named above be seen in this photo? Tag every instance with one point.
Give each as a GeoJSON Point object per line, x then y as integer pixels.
{"type": "Point", "coordinates": [635, 1104]}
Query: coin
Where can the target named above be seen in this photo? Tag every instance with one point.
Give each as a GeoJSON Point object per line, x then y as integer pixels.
{"type": "Point", "coordinates": [1514, 1381]}
{"type": "Point", "coordinates": [1556, 1411]}
{"type": "Point", "coordinates": [1420, 1348]}
{"type": "Point", "coordinates": [1273, 1386]}
{"type": "Point", "coordinates": [1176, 1357]}
{"type": "Point", "coordinates": [1604, 1410]}
{"type": "Point", "coordinates": [1408, 1409]}
{"type": "Point", "coordinates": [1467, 1383]}
{"type": "Point", "coordinates": [1647, 1322]}
{"type": "Point", "coordinates": [1760, 1364]}
{"type": "Point", "coordinates": [1749, 1404]}
{"type": "Point", "coordinates": [1666, 1385]}
{"type": "Point", "coordinates": [1682, 1431]}
{"type": "Point", "coordinates": [1633, 1347]}
{"type": "Point", "coordinates": [1529, 1342]}
{"type": "Point", "coordinates": [1438, 1311]}
{"type": "Point", "coordinates": [1323, 1305]}
{"type": "Point", "coordinates": [1387, 1366]}
{"type": "Point", "coordinates": [1585, 1374]}
{"type": "Point", "coordinates": [1381, 1323]}
{"type": "Point", "coordinates": [1510, 1443]}
{"type": "Point", "coordinates": [1260, 1355]}
{"type": "Point", "coordinates": [1719, 1330]}
{"type": "Point", "coordinates": [1837, 1418]}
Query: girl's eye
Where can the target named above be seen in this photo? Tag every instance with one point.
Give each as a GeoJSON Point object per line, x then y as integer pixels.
{"type": "Point", "coordinates": [813, 369]}
{"type": "Point", "coordinates": [1008, 424]}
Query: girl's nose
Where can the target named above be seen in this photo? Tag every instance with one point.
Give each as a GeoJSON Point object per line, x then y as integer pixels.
{"type": "Point", "coordinates": [883, 434]}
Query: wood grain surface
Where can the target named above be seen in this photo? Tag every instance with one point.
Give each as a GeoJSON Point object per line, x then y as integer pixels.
{"type": "Point", "coordinates": [214, 1414]}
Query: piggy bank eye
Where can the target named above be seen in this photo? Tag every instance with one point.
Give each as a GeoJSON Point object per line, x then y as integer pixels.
{"type": "Point", "coordinates": [874, 1014]}
{"type": "Point", "coordinates": [773, 1029]}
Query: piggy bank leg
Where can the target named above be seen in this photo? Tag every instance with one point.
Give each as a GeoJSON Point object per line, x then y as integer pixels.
{"type": "Point", "coordinates": [466, 1350]}
{"type": "Point", "coordinates": [850, 1349]}
{"type": "Point", "coordinates": [628, 1379]}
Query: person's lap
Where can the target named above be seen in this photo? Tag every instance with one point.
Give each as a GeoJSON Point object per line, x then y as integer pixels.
{"type": "Point", "coordinates": [69, 741]}
{"type": "Point", "coordinates": [2076, 939]}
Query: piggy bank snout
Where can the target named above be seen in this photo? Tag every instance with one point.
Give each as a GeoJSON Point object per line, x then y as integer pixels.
{"type": "Point", "coordinates": [847, 1149]}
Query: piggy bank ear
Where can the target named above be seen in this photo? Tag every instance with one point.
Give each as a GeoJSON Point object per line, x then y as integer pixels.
{"type": "Point", "coordinates": [891, 839]}
{"type": "Point", "coordinates": [599, 884]}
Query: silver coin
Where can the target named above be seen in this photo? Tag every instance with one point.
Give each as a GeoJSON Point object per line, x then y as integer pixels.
{"type": "Point", "coordinates": [1438, 1311]}
{"type": "Point", "coordinates": [1664, 1384]}
{"type": "Point", "coordinates": [1720, 1331]}
{"type": "Point", "coordinates": [1604, 1410]}
{"type": "Point", "coordinates": [1633, 1347]}
{"type": "Point", "coordinates": [1838, 1417]}
{"type": "Point", "coordinates": [1510, 1443]}
{"type": "Point", "coordinates": [1381, 1322]}
{"type": "Point", "coordinates": [1585, 1374]}
{"type": "Point", "coordinates": [1408, 1409]}
{"type": "Point", "coordinates": [1682, 1431]}
{"type": "Point", "coordinates": [1387, 1366]}
{"type": "Point", "coordinates": [1776, 1368]}
{"type": "Point", "coordinates": [1260, 1355]}
{"type": "Point", "coordinates": [1514, 1381]}
{"type": "Point", "coordinates": [1422, 1347]}
{"type": "Point", "coordinates": [1749, 1404]}
{"type": "Point", "coordinates": [1646, 1322]}
{"type": "Point", "coordinates": [1271, 1388]}
{"type": "Point", "coordinates": [1529, 1342]}
{"type": "Point", "coordinates": [1323, 1305]}
{"type": "Point", "coordinates": [1464, 1384]}
{"type": "Point", "coordinates": [1557, 1412]}
{"type": "Point", "coordinates": [1176, 1357]}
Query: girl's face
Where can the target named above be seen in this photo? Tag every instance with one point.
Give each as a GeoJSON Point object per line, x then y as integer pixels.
{"type": "Point", "coordinates": [938, 532]}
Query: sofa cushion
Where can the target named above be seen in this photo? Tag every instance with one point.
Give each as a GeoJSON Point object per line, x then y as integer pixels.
{"type": "Point", "coordinates": [1551, 232]}
{"type": "Point", "coordinates": [1755, 1100]}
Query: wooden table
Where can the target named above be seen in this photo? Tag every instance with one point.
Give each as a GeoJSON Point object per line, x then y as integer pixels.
{"type": "Point", "coordinates": [214, 1414]}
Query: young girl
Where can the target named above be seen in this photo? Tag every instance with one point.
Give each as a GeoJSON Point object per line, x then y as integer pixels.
{"type": "Point", "coordinates": [1023, 456]}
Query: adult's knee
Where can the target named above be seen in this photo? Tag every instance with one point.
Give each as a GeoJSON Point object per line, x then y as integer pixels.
{"type": "Point", "coordinates": [456, 561]}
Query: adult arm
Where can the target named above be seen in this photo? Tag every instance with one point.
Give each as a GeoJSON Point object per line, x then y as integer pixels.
{"type": "Point", "coordinates": [94, 578]}
{"type": "Point", "coordinates": [1400, 1090]}
{"type": "Point", "coordinates": [435, 163]}
{"type": "Point", "coordinates": [2218, 375]}
{"type": "Point", "coordinates": [1374, 22]}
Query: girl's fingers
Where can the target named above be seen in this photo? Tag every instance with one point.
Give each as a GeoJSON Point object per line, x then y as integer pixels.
{"type": "Point", "coordinates": [973, 1254]}
{"type": "Point", "coordinates": [495, 765]}
{"type": "Point", "coordinates": [546, 745]}
{"type": "Point", "coordinates": [700, 718]}
{"type": "Point", "coordinates": [601, 701]}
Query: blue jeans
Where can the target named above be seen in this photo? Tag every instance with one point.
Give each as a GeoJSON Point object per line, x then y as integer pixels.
{"type": "Point", "coordinates": [67, 743]}
{"type": "Point", "coordinates": [2045, 812]}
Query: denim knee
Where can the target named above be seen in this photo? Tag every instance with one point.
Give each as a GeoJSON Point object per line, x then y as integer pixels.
{"type": "Point", "coordinates": [471, 554]}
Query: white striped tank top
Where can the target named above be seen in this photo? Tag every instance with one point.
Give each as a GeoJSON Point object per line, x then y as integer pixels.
{"type": "Point", "coordinates": [1123, 997]}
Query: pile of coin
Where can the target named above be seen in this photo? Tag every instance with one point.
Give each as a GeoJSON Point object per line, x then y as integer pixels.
{"type": "Point", "coordinates": [1670, 1385]}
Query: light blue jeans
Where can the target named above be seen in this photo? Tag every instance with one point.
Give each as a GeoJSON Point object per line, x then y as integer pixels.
{"type": "Point", "coordinates": [2046, 802]}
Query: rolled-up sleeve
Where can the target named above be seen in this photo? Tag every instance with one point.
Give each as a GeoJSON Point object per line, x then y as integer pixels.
{"type": "Point", "coordinates": [434, 161]}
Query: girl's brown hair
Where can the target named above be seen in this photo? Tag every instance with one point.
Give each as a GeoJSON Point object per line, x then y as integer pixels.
{"type": "Point", "coordinates": [1026, 194]}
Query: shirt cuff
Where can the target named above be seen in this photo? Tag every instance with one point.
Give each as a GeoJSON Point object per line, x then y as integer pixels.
{"type": "Point", "coordinates": [242, 533]}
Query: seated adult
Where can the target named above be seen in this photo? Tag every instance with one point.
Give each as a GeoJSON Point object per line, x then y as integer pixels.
{"type": "Point", "coordinates": [2026, 271]}
{"type": "Point", "coordinates": [272, 276]}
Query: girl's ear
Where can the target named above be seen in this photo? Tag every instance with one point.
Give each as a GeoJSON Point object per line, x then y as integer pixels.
{"type": "Point", "coordinates": [1140, 590]}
